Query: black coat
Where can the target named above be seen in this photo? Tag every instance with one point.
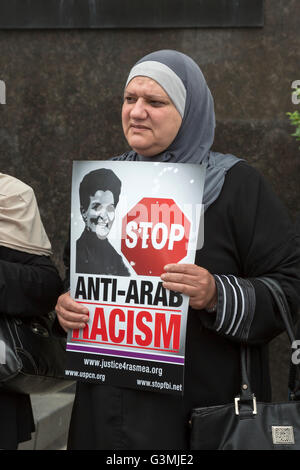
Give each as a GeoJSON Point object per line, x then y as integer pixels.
{"type": "Point", "coordinates": [247, 235]}
{"type": "Point", "coordinates": [29, 286]}
{"type": "Point", "coordinates": [94, 256]}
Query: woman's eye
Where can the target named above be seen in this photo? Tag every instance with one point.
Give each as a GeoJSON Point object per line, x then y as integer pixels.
{"type": "Point", "coordinates": [110, 208]}
{"type": "Point", "coordinates": [129, 99]}
{"type": "Point", "coordinates": [157, 104]}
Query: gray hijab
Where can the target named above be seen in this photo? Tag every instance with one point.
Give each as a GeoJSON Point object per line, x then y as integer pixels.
{"type": "Point", "coordinates": [184, 82]}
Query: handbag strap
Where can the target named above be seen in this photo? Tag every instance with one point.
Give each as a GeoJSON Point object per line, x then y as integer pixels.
{"type": "Point", "coordinates": [282, 304]}
{"type": "Point", "coordinates": [247, 395]}
{"type": "Point", "coordinates": [245, 403]}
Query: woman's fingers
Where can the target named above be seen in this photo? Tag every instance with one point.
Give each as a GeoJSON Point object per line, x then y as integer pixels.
{"type": "Point", "coordinates": [71, 314]}
{"type": "Point", "coordinates": [191, 280]}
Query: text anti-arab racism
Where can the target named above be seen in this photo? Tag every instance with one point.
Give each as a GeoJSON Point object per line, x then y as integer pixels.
{"type": "Point", "coordinates": [151, 326]}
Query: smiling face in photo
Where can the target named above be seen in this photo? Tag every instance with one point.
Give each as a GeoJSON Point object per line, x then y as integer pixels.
{"type": "Point", "coordinates": [100, 213]}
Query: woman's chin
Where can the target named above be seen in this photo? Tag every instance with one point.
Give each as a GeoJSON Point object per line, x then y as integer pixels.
{"type": "Point", "coordinates": [144, 152]}
{"type": "Point", "coordinates": [101, 233]}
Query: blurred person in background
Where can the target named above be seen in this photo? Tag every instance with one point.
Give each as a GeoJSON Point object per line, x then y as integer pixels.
{"type": "Point", "coordinates": [29, 287]}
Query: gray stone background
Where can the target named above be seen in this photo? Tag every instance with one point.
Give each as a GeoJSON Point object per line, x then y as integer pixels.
{"type": "Point", "coordinates": [64, 95]}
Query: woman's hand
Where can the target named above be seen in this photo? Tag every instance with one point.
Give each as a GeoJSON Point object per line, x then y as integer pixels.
{"type": "Point", "coordinates": [70, 314]}
{"type": "Point", "coordinates": [194, 281]}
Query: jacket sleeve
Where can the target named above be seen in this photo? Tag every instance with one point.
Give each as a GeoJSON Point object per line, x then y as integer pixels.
{"type": "Point", "coordinates": [29, 284]}
{"type": "Point", "coordinates": [267, 245]}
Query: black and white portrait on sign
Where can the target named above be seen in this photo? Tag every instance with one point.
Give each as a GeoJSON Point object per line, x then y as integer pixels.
{"type": "Point", "coordinates": [99, 193]}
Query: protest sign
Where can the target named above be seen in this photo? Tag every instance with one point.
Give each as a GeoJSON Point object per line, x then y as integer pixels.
{"type": "Point", "coordinates": [128, 220]}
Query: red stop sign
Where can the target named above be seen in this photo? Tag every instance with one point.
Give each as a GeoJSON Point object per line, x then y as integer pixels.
{"type": "Point", "coordinates": [155, 232]}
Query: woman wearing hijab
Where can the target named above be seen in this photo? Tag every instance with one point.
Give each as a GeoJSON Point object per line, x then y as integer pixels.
{"type": "Point", "coordinates": [168, 116]}
{"type": "Point", "coordinates": [29, 286]}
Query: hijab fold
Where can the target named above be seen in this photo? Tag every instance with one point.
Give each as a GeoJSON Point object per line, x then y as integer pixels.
{"type": "Point", "coordinates": [196, 134]}
{"type": "Point", "coordinates": [21, 227]}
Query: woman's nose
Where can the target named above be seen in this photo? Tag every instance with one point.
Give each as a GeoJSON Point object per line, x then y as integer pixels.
{"type": "Point", "coordinates": [138, 110]}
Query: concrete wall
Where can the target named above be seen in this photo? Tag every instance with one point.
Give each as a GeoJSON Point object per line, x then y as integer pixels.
{"type": "Point", "coordinates": [63, 102]}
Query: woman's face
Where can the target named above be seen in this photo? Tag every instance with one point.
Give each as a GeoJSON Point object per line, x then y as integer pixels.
{"type": "Point", "coordinates": [100, 214]}
{"type": "Point", "coordinates": [149, 118]}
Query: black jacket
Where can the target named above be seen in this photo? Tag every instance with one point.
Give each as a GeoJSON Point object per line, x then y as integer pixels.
{"type": "Point", "coordinates": [29, 286]}
{"type": "Point", "coordinates": [94, 256]}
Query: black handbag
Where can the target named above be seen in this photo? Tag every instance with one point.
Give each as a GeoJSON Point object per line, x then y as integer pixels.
{"type": "Point", "coordinates": [246, 424]}
{"type": "Point", "coordinates": [32, 355]}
